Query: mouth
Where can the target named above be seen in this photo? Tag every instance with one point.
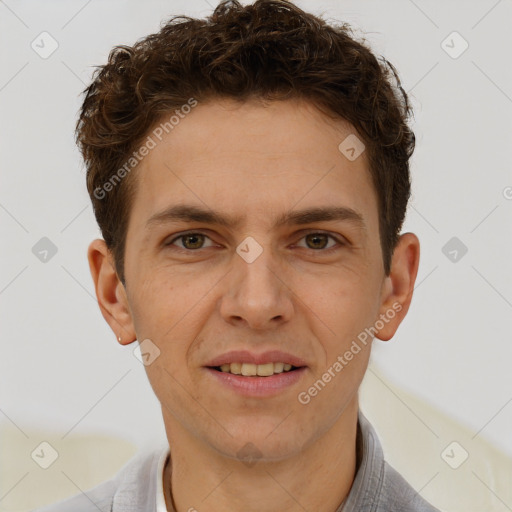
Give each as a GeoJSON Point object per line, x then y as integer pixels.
{"type": "Point", "coordinates": [256, 380]}
{"type": "Point", "coordinates": [251, 374]}
{"type": "Point", "coordinates": [255, 370]}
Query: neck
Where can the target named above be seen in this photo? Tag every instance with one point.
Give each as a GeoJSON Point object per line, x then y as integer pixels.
{"type": "Point", "coordinates": [317, 478]}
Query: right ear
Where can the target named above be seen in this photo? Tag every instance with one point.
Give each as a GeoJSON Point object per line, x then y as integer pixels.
{"type": "Point", "coordinates": [110, 292]}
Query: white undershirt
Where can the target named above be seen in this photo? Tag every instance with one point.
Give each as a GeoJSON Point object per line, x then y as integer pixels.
{"type": "Point", "coordinates": [160, 498]}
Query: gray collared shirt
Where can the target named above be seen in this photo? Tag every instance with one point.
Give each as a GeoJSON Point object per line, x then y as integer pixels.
{"type": "Point", "coordinates": [137, 487]}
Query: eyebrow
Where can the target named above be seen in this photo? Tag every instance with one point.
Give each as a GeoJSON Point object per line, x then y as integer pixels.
{"type": "Point", "coordinates": [193, 213]}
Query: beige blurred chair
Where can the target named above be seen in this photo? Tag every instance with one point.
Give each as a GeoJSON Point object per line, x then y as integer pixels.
{"type": "Point", "coordinates": [424, 445]}
{"type": "Point", "coordinates": [444, 461]}
{"type": "Point", "coordinates": [83, 461]}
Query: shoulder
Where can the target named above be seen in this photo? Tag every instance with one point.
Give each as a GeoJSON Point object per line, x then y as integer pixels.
{"type": "Point", "coordinates": [92, 500]}
{"type": "Point", "coordinates": [398, 494]}
{"type": "Point", "coordinates": [378, 486]}
{"type": "Point", "coordinates": [135, 483]}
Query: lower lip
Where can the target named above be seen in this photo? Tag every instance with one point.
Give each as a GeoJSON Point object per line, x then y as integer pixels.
{"type": "Point", "coordinates": [258, 386]}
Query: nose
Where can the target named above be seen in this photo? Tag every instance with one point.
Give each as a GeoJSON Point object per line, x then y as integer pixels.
{"type": "Point", "coordinates": [257, 293]}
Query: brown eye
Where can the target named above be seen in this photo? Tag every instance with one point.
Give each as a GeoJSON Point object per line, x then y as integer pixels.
{"type": "Point", "coordinates": [318, 241]}
{"type": "Point", "coordinates": [195, 241]}
{"type": "Point", "coordinates": [189, 241]}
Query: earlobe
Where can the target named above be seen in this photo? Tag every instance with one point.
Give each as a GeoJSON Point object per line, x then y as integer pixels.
{"type": "Point", "coordinates": [398, 287]}
{"type": "Point", "coordinates": [110, 292]}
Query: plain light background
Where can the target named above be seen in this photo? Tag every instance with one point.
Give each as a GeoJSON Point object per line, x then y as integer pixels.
{"type": "Point", "coordinates": [60, 364]}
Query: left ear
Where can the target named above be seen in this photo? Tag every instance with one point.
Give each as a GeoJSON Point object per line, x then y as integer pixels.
{"type": "Point", "coordinates": [110, 292]}
{"type": "Point", "coordinates": [398, 287]}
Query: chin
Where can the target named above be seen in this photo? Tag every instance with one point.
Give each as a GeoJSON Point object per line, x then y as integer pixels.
{"type": "Point", "coordinates": [253, 443]}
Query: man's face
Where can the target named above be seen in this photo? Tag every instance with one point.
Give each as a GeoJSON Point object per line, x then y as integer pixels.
{"type": "Point", "coordinates": [311, 291]}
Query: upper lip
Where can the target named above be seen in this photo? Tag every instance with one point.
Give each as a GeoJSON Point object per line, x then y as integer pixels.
{"type": "Point", "coordinates": [244, 356]}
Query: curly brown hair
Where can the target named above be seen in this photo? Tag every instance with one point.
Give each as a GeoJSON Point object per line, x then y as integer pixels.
{"type": "Point", "coordinates": [270, 50]}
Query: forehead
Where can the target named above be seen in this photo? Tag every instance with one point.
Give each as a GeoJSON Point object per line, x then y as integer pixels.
{"type": "Point", "coordinates": [247, 159]}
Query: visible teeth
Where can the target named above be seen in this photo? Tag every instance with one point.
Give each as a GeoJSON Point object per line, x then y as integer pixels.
{"type": "Point", "coordinates": [251, 369]}
{"type": "Point", "coordinates": [278, 367]}
{"type": "Point", "coordinates": [248, 369]}
{"type": "Point", "coordinates": [235, 368]}
{"type": "Point", "coordinates": [264, 370]}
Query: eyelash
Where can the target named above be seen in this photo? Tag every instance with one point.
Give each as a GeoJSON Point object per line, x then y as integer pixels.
{"type": "Point", "coordinates": [328, 251]}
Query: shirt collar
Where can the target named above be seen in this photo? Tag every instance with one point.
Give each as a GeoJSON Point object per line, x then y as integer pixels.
{"type": "Point", "coordinates": [367, 485]}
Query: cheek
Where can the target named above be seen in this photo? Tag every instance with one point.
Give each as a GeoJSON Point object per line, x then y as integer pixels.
{"type": "Point", "coordinates": [343, 300]}
{"type": "Point", "coordinates": [158, 300]}
{"type": "Point", "coordinates": [341, 309]}
{"type": "Point", "coordinates": [170, 309]}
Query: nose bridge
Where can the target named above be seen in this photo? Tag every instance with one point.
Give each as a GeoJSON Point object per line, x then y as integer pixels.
{"type": "Point", "coordinates": [256, 293]}
{"type": "Point", "coordinates": [255, 273]}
